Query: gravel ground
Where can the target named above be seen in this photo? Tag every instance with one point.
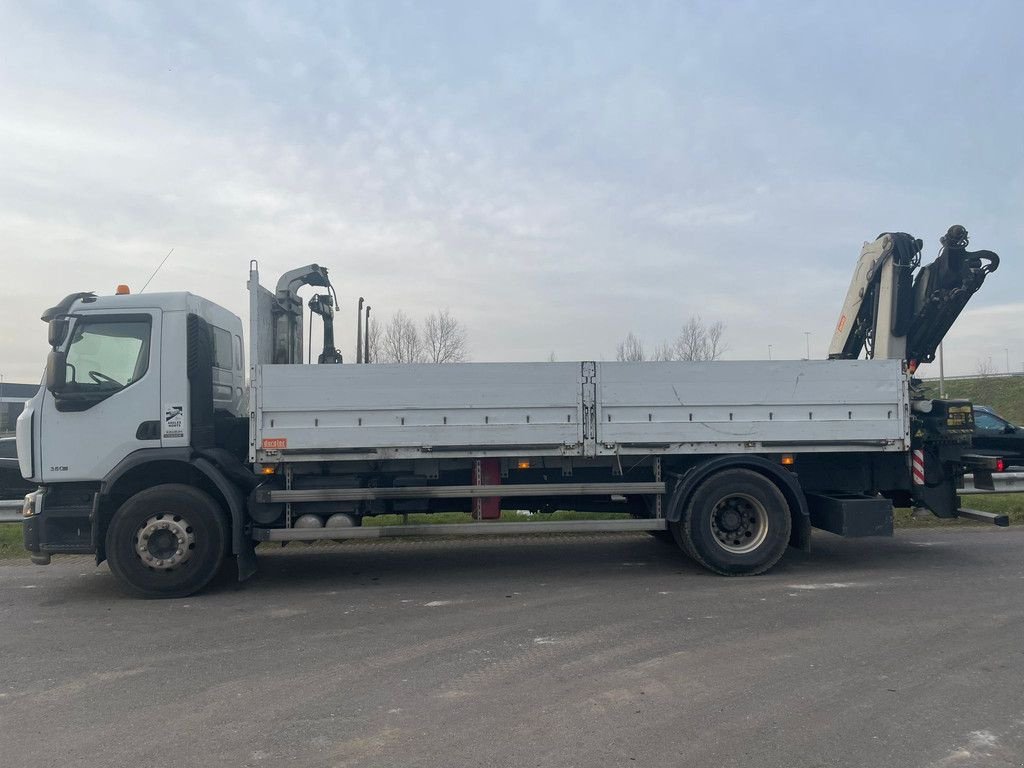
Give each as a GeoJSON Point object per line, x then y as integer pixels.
{"type": "Point", "coordinates": [607, 650]}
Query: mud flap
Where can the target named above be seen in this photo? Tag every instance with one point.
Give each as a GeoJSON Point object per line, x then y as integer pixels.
{"type": "Point", "coordinates": [933, 486]}
{"type": "Point", "coordinates": [241, 546]}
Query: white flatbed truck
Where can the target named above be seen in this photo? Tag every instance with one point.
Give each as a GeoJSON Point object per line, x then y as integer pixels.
{"type": "Point", "coordinates": [154, 450]}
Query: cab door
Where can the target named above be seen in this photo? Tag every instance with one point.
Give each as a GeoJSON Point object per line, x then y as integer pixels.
{"type": "Point", "coordinates": [109, 405]}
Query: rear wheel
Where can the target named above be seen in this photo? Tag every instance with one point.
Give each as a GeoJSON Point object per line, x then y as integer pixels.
{"type": "Point", "coordinates": [737, 523]}
{"type": "Point", "coordinates": [167, 541]}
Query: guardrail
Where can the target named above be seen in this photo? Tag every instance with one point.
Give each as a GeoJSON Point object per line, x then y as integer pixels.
{"type": "Point", "coordinates": [1005, 482]}
{"type": "Point", "coordinates": [972, 376]}
{"type": "Point", "coordinates": [10, 510]}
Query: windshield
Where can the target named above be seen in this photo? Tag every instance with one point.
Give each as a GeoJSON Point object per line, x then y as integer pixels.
{"type": "Point", "coordinates": [107, 354]}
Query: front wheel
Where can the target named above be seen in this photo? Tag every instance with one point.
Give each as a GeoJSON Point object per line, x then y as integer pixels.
{"type": "Point", "coordinates": [736, 523]}
{"type": "Point", "coordinates": [167, 541]}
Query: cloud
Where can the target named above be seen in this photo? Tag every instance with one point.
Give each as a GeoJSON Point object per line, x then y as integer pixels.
{"type": "Point", "coordinates": [555, 178]}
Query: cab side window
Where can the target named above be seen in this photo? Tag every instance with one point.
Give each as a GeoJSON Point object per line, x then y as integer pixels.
{"type": "Point", "coordinates": [107, 354]}
{"type": "Point", "coordinates": [222, 352]}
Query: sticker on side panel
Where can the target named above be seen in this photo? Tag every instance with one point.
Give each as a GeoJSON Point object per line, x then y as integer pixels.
{"type": "Point", "coordinates": [174, 421]}
{"type": "Point", "coordinates": [275, 443]}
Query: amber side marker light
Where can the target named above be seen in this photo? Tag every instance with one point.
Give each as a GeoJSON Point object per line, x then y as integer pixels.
{"type": "Point", "coordinates": [523, 464]}
{"type": "Point", "coordinates": [787, 460]}
{"type": "Point", "coordinates": [266, 470]}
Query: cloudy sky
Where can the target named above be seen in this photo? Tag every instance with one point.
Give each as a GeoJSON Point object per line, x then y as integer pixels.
{"type": "Point", "coordinates": [556, 173]}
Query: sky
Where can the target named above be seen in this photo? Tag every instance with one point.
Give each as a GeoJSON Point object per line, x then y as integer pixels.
{"type": "Point", "coordinates": [556, 174]}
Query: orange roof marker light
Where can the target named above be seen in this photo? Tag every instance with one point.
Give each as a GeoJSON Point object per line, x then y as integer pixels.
{"type": "Point", "coordinates": [122, 290]}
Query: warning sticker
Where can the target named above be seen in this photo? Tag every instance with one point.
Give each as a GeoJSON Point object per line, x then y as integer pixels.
{"type": "Point", "coordinates": [174, 421]}
{"type": "Point", "coordinates": [275, 443]}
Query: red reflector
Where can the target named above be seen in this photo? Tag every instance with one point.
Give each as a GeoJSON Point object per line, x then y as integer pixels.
{"type": "Point", "coordinates": [1000, 465]}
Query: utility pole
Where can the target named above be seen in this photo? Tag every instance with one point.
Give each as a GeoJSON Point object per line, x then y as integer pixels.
{"type": "Point", "coordinates": [1007, 351]}
{"type": "Point", "coordinates": [359, 332]}
{"type": "Point", "coordinates": [807, 337]}
{"type": "Point", "coordinates": [366, 337]}
{"type": "Point", "coordinates": [769, 351]}
{"type": "Point", "coordinates": [942, 374]}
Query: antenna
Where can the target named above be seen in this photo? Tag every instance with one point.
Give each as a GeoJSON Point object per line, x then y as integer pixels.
{"type": "Point", "coordinates": [157, 269]}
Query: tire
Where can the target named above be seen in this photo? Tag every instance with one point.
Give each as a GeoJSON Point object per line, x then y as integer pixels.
{"type": "Point", "coordinates": [736, 523]}
{"type": "Point", "coordinates": [167, 541]}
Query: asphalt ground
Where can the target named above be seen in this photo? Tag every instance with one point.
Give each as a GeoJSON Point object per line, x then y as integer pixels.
{"type": "Point", "coordinates": [607, 650]}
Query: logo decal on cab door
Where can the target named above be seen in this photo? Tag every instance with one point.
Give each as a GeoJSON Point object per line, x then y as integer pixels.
{"type": "Point", "coordinates": [174, 421]}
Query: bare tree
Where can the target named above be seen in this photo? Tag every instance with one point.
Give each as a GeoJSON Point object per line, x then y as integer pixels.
{"type": "Point", "coordinates": [698, 341]}
{"type": "Point", "coordinates": [444, 338]}
{"type": "Point", "coordinates": [373, 341]}
{"type": "Point", "coordinates": [984, 388]}
{"type": "Point", "coordinates": [401, 342]}
{"type": "Point", "coordinates": [663, 352]}
{"type": "Point", "coordinates": [630, 349]}
{"type": "Point", "coordinates": [985, 367]}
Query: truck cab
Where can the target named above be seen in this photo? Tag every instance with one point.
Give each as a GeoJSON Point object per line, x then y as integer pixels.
{"type": "Point", "coordinates": [127, 376]}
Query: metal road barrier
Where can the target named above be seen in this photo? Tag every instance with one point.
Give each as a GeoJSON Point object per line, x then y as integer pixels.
{"type": "Point", "coordinates": [10, 510]}
{"type": "Point", "coordinates": [1005, 482]}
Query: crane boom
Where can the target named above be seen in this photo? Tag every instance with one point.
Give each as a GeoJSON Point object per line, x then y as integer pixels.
{"type": "Point", "coordinates": [888, 313]}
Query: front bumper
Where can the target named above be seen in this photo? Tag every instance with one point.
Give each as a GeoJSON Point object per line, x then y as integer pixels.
{"type": "Point", "coordinates": [59, 520]}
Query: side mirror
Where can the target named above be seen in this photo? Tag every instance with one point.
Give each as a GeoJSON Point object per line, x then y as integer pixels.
{"type": "Point", "coordinates": [56, 371]}
{"type": "Point", "coordinates": [1009, 429]}
{"type": "Point", "coordinates": [57, 331]}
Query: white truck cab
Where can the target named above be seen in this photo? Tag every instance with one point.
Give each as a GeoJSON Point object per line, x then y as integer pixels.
{"type": "Point", "coordinates": [118, 381]}
{"type": "Point", "coordinates": [140, 393]}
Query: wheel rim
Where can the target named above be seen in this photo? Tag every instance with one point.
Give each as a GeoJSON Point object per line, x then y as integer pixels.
{"type": "Point", "coordinates": [739, 523]}
{"type": "Point", "coordinates": [165, 542]}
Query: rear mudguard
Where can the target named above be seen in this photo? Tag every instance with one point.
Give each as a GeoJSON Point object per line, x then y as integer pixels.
{"type": "Point", "coordinates": [788, 482]}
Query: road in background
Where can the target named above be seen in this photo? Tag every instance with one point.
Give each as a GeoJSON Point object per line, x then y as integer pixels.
{"type": "Point", "coordinates": [556, 651]}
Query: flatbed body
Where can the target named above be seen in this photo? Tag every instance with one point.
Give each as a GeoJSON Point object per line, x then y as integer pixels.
{"type": "Point", "coordinates": [307, 413]}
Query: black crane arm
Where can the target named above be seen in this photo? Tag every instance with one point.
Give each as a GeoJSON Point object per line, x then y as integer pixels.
{"type": "Point", "coordinates": [942, 290]}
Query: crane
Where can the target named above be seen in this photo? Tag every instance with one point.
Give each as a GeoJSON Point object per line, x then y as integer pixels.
{"type": "Point", "coordinates": [890, 313]}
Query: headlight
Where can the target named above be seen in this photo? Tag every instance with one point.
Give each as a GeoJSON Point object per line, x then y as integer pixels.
{"type": "Point", "coordinates": [32, 504]}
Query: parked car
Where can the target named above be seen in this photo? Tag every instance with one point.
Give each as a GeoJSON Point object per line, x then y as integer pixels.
{"type": "Point", "coordinates": [12, 484]}
{"type": "Point", "coordinates": [995, 436]}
